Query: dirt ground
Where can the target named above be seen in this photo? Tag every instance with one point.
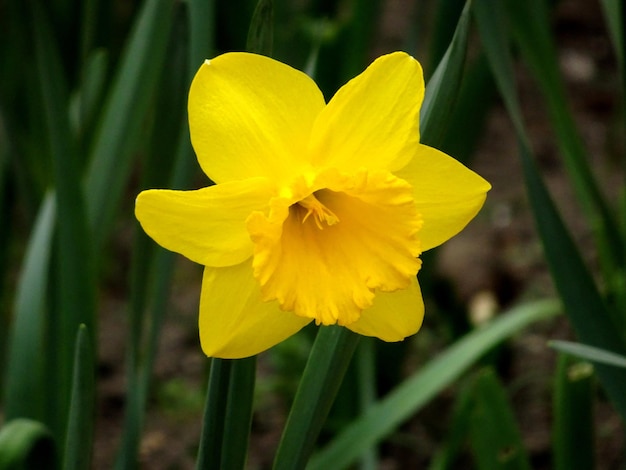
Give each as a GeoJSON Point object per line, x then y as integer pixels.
{"type": "Point", "coordinates": [500, 249]}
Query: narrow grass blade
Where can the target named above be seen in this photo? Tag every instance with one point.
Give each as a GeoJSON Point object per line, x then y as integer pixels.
{"type": "Point", "coordinates": [445, 18]}
{"type": "Point", "coordinates": [572, 437]}
{"type": "Point", "coordinates": [153, 269]}
{"type": "Point", "coordinates": [142, 353]}
{"type": "Point", "coordinates": [26, 444]}
{"type": "Point", "coordinates": [211, 439]}
{"type": "Point", "coordinates": [146, 329]}
{"type": "Point", "coordinates": [366, 389]}
{"type": "Point", "coordinates": [476, 97]}
{"type": "Point", "coordinates": [165, 136]}
{"type": "Point", "coordinates": [492, 26]}
{"type": "Point", "coordinates": [582, 301]}
{"type": "Point", "coordinates": [88, 100]}
{"type": "Point", "coordinates": [79, 437]}
{"type": "Point", "coordinates": [201, 16]}
{"type": "Point", "coordinates": [261, 32]}
{"type": "Point", "coordinates": [443, 87]}
{"type": "Point", "coordinates": [76, 270]}
{"type": "Point", "coordinates": [89, 27]}
{"type": "Point", "coordinates": [238, 417]}
{"type": "Point", "coordinates": [23, 395]}
{"type": "Point", "coordinates": [494, 436]}
{"type": "Point", "coordinates": [589, 353]}
{"type": "Point", "coordinates": [21, 109]}
{"type": "Point", "coordinates": [531, 29]}
{"type": "Point", "coordinates": [322, 376]}
{"type": "Point", "coordinates": [6, 208]}
{"type": "Point", "coordinates": [444, 459]}
{"type": "Point", "coordinates": [614, 15]}
{"type": "Point", "coordinates": [121, 121]}
{"type": "Point", "coordinates": [356, 44]}
{"type": "Point", "coordinates": [410, 396]}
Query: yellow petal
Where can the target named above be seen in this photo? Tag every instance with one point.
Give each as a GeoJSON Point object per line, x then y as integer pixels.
{"type": "Point", "coordinates": [250, 115]}
{"type": "Point", "coordinates": [207, 225]}
{"type": "Point", "coordinates": [234, 321]}
{"type": "Point", "coordinates": [373, 120]}
{"type": "Point", "coordinates": [393, 316]}
{"type": "Point", "coordinates": [448, 195]}
{"type": "Point", "coordinates": [324, 256]}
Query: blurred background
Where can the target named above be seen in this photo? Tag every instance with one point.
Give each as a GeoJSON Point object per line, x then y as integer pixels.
{"type": "Point", "coordinates": [125, 109]}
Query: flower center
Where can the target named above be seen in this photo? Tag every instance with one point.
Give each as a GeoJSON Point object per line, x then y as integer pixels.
{"type": "Point", "coordinates": [318, 268]}
{"type": "Point", "coordinates": [320, 212]}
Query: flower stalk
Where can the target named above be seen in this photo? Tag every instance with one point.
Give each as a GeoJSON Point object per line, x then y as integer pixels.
{"type": "Point", "coordinates": [322, 376]}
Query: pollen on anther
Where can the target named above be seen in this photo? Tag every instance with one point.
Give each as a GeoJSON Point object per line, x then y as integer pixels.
{"type": "Point", "coordinates": [320, 212]}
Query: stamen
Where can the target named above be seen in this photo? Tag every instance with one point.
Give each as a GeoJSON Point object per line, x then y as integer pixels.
{"type": "Point", "coordinates": [320, 212]}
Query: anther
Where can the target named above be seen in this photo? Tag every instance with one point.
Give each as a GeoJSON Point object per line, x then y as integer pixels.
{"type": "Point", "coordinates": [320, 212]}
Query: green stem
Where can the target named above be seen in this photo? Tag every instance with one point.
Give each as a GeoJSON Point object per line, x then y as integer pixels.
{"type": "Point", "coordinates": [79, 436]}
{"type": "Point", "coordinates": [572, 438]}
{"type": "Point", "coordinates": [227, 415]}
{"type": "Point", "coordinates": [210, 451]}
{"type": "Point", "coordinates": [238, 414]}
{"type": "Point", "coordinates": [366, 371]}
{"type": "Point", "coordinates": [322, 376]}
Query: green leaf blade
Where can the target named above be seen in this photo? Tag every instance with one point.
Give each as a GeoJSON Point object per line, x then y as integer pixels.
{"type": "Point", "coordinates": [582, 301]}
{"type": "Point", "coordinates": [238, 417]}
{"type": "Point", "coordinates": [444, 85]}
{"type": "Point", "coordinates": [79, 436]}
{"type": "Point", "coordinates": [261, 32]}
{"type": "Point", "coordinates": [495, 438]}
{"type": "Point", "coordinates": [531, 30]}
{"type": "Point", "coordinates": [417, 390]}
{"type": "Point", "coordinates": [211, 439]}
{"type": "Point", "coordinates": [322, 376]}
{"type": "Point", "coordinates": [26, 341]}
{"type": "Point", "coordinates": [120, 124]}
{"type": "Point", "coordinates": [26, 444]}
{"type": "Point", "coordinates": [76, 268]}
{"type": "Point", "coordinates": [572, 436]}
{"type": "Point", "coordinates": [589, 353]}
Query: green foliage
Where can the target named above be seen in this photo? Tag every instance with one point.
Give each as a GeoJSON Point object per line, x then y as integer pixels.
{"type": "Point", "coordinates": [327, 364]}
{"type": "Point", "coordinates": [573, 434]}
{"type": "Point", "coordinates": [407, 398]}
{"type": "Point", "coordinates": [443, 87]}
{"type": "Point", "coordinates": [26, 352]}
{"type": "Point", "coordinates": [26, 444]}
{"type": "Point", "coordinates": [573, 279]}
{"type": "Point", "coordinates": [589, 353]}
{"type": "Point", "coordinates": [93, 109]}
{"type": "Point", "coordinates": [261, 32]}
{"type": "Point", "coordinates": [495, 439]}
{"type": "Point", "coordinates": [79, 436]}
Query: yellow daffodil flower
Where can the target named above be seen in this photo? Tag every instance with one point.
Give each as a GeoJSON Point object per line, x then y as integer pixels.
{"type": "Point", "coordinates": [319, 211]}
